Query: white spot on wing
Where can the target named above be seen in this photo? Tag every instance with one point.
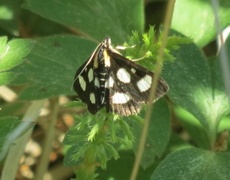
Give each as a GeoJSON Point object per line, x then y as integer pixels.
{"type": "Point", "coordinates": [92, 98]}
{"type": "Point", "coordinates": [133, 70]}
{"type": "Point", "coordinates": [96, 82]}
{"type": "Point", "coordinates": [120, 98]}
{"type": "Point", "coordinates": [90, 74]}
{"type": "Point", "coordinates": [109, 83]}
{"type": "Point", "coordinates": [82, 83]}
{"type": "Point", "coordinates": [123, 75]}
{"type": "Point", "coordinates": [145, 83]}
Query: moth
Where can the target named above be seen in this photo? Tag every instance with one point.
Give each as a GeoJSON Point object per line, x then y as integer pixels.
{"type": "Point", "coordinates": [108, 79]}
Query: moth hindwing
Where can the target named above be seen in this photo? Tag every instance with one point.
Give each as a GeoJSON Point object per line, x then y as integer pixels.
{"type": "Point", "coordinates": [110, 80]}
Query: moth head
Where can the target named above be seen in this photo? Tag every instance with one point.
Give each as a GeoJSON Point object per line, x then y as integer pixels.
{"type": "Point", "coordinates": [107, 43]}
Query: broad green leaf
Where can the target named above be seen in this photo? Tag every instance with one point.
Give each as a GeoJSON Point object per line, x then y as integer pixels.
{"type": "Point", "coordinates": [50, 67]}
{"type": "Point", "coordinates": [191, 87]}
{"type": "Point", "coordinates": [122, 168]}
{"type": "Point", "coordinates": [193, 164]}
{"type": "Point", "coordinates": [195, 19]}
{"type": "Point", "coordinates": [158, 134]}
{"type": "Point", "coordinates": [96, 19]}
{"type": "Point", "coordinates": [13, 53]}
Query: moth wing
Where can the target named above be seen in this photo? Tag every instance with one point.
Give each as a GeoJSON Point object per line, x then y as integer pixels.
{"type": "Point", "coordinates": [132, 86]}
{"type": "Point", "coordinates": [84, 85]}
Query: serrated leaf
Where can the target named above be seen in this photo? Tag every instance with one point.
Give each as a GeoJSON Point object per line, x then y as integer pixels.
{"type": "Point", "coordinates": [193, 164]}
{"type": "Point", "coordinates": [75, 155]}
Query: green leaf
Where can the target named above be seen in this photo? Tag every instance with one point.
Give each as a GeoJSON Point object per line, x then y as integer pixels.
{"type": "Point", "coordinates": [158, 135]}
{"type": "Point", "coordinates": [75, 154]}
{"type": "Point", "coordinates": [13, 53]}
{"type": "Point", "coordinates": [193, 164]}
{"type": "Point", "coordinates": [122, 168]}
{"type": "Point", "coordinates": [192, 88]}
{"type": "Point", "coordinates": [195, 19]}
{"type": "Point", "coordinates": [118, 169]}
{"type": "Point", "coordinates": [177, 143]}
{"type": "Point", "coordinates": [193, 127]}
{"type": "Point", "coordinates": [93, 18]}
{"type": "Point", "coordinates": [50, 67]}
{"type": "Point", "coordinates": [225, 124]}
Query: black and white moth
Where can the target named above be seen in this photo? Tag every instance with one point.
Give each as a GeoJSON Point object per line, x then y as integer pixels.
{"type": "Point", "coordinates": [108, 79]}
